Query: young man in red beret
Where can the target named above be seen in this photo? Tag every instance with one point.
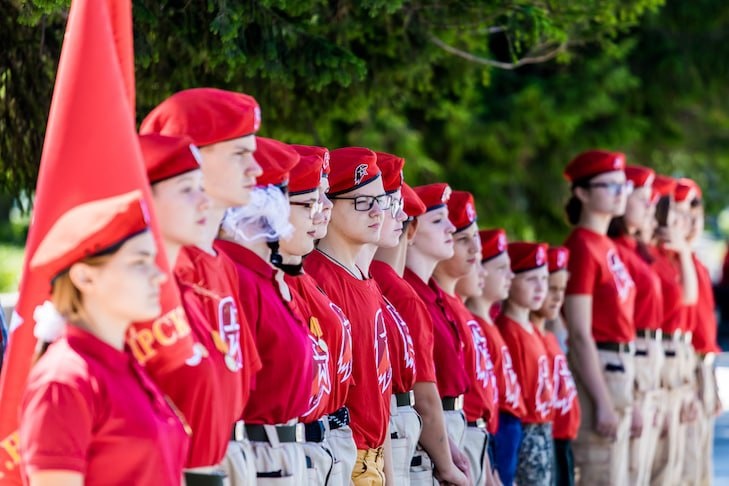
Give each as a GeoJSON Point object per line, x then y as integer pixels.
{"type": "Point", "coordinates": [359, 204]}
{"type": "Point", "coordinates": [223, 124]}
{"type": "Point", "coordinates": [431, 244]}
{"type": "Point", "coordinates": [565, 406]}
{"type": "Point", "coordinates": [534, 464]}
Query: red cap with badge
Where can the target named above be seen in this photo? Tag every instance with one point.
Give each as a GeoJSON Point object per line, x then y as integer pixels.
{"type": "Point", "coordinates": [351, 168]}
{"type": "Point", "coordinates": [493, 243]}
{"type": "Point", "coordinates": [686, 190]}
{"type": "Point", "coordinates": [527, 256]}
{"type": "Point", "coordinates": [557, 257]}
{"type": "Point", "coordinates": [321, 152]}
{"type": "Point", "coordinates": [306, 175]}
{"type": "Point", "coordinates": [461, 210]}
{"type": "Point", "coordinates": [276, 159]}
{"type": "Point", "coordinates": [640, 176]}
{"type": "Point", "coordinates": [89, 229]}
{"type": "Point", "coordinates": [412, 204]}
{"type": "Point", "coordinates": [434, 196]}
{"type": "Point", "coordinates": [207, 115]}
{"type": "Point", "coordinates": [664, 185]}
{"type": "Point", "coordinates": [593, 162]}
{"type": "Point", "coordinates": [391, 167]}
{"type": "Point", "coordinates": [166, 157]}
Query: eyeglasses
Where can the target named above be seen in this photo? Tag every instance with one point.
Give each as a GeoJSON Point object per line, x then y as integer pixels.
{"type": "Point", "coordinates": [614, 188]}
{"type": "Point", "coordinates": [315, 207]}
{"type": "Point", "coordinates": [365, 203]}
{"type": "Point", "coordinates": [396, 207]}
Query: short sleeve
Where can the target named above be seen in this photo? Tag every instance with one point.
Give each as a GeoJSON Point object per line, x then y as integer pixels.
{"type": "Point", "coordinates": [415, 314]}
{"type": "Point", "coordinates": [56, 427]}
{"type": "Point", "coordinates": [583, 269]}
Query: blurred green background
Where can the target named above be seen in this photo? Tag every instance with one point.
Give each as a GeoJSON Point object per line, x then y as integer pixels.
{"type": "Point", "coordinates": [493, 97]}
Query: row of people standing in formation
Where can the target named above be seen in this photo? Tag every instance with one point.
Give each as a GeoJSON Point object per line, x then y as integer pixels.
{"type": "Point", "coordinates": [348, 328]}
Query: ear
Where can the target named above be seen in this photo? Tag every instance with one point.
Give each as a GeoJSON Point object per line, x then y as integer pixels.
{"type": "Point", "coordinates": [82, 276]}
{"type": "Point", "coordinates": [410, 232]}
{"type": "Point", "coordinates": [581, 193]}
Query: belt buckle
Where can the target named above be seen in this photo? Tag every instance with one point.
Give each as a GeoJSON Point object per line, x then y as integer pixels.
{"type": "Point", "coordinates": [299, 433]}
{"type": "Point", "coordinates": [458, 403]}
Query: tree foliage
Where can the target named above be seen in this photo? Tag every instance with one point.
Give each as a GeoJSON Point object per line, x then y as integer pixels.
{"type": "Point", "coordinates": [493, 96]}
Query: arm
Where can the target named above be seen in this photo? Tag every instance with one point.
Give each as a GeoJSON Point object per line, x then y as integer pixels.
{"type": "Point", "coordinates": [56, 478]}
{"type": "Point", "coordinates": [578, 314]}
{"type": "Point", "coordinates": [689, 279]}
{"type": "Point", "coordinates": [434, 437]}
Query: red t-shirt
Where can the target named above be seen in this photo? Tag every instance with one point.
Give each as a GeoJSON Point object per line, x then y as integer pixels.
{"type": "Point", "coordinates": [596, 269]}
{"type": "Point", "coordinates": [337, 333]}
{"type": "Point", "coordinates": [565, 406]}
{"type": "Point", "coordinates": [282, 339]}
{"type": "Point", "coordinates": [481, 399]}
{"type": "Point", "coordinates": [369, 397]}
{"type": "Point", "coordinates": [649, 298]}
{"type": "Point", "coordinates": [531, 363]}
{"type": "Point", "coordinates": [704, 337]}
{"type": "Point", "coordinates": [91, 409]}
{"type": "Point", "coordinates": [208, 388]}
{"type": "Point", "coordinates": [400, 347]}
{"type": "Point", "coordinates": [414, 312]}
{"type": "Point", "coordinates": [448, 355]}
{"type": "Point", "coordinates": [667, 269]}
{"type": "Point", "coordinates": [509, 390]}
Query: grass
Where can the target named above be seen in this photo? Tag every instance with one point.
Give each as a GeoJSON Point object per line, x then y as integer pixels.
{"type": "Point", "coordinates": [11, 266]}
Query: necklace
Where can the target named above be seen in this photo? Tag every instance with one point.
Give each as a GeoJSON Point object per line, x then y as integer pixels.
{"type": "Point", "coordinates": [358, 277]}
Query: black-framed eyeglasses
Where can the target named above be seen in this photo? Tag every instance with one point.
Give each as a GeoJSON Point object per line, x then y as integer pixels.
{"type": "Point", "coordinates": [314, 207]}
{"type": "Point", "coordinates": [396, 206]}
{"type": "Point", "coordinates": [366, 203]}
{"type": "Point", "coordinates": [614, 188]}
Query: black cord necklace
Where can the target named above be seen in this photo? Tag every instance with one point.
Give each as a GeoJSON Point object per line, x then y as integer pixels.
{"type": "Point", "coordinates": [358, 277]}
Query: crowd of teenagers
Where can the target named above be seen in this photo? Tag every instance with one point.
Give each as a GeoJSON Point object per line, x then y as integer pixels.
{"type": "Point", "coordinates": [351, 329]}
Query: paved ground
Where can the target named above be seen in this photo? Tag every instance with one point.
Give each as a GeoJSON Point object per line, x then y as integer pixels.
{"type": "Point", "coordinates": [721, 438]}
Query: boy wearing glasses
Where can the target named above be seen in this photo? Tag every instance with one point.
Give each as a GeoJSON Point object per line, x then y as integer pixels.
{"type": "Point", "coordinates": [357, 215]}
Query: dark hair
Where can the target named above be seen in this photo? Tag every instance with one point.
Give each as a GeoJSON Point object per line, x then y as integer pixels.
{"type": "Point", "coordinates": [617, 227]}
{"type": "Point", "coordinates": [573, 208]}
{"type": "Point", "coordinates": [662, 209]}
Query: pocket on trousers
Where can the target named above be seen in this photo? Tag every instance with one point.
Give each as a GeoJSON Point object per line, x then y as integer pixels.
{"type": "Point", "coordinates": [619, 384]}
{"type": "Point", "coordinates": [276, 478]}
{"type": "Point", "coordinates": [400, 456]}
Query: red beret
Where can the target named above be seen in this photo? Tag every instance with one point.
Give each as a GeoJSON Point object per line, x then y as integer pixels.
{"type": "Point", "coordinates": [527, 256]}
{"type": "Point", "coordinates": [88, 229]}
{"type": "Point", "coordinates": [206, 115]}
{"type": "Point", "coordinates": [493, 243]}
{"type": "Point", "coordinates": [412, 204]}
{"type": "Point", "coordinates": [686, 189]}
{"type": "Point", "coordinates": [318, 151]}
{"type": "Point", "coordinates": [434, 196]}
{"type": "Point", "coordinates": [592, 163]}
{"type": "Point", "coordinates": [276, 159]}
{"type": "Point", "coordinates": [640, 176]}
{"type": "Point", "coordinates": [166, 157]}
{"type": "Point", "coordinates": [558, 257]}
{"type": "Point", "coordinates": [306, 175]}
{"type": "Point", "coordinates": [391, 167]}
{"type": "Point", "coordinates": [461, 210]}
{"type": "Point", "coordinates": [351, 167]}
{"type": "Point", "coordinates": [664, 185]}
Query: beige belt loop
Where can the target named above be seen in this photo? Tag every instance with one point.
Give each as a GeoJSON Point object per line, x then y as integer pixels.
{"type": "Point", "coordinates": [272, 435]}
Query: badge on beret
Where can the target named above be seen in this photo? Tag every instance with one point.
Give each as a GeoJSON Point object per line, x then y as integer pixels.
{"type": "Point", "coordinates": [470, 213]}
{"type": "Point", "coordinates": [145, 211]}
{"type": "Point", "coordinates": [359, 173]}
{"type": "Point", "coordinates": [325, 165]}
{"type": "Point", "coordinates": [561, 258]}
{"type": "Point", "coordinates": [446, 194]}
{"type": "Point", "coordinates": [256, 118]}
{"type": "Point", "coordinates": [501, 244]}
{"type": "Point", "coordinates": [541, 255]}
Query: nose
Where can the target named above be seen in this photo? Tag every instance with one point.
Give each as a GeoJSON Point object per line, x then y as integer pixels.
{"type": "Point", "coordinates": [450, 228]}
{"type": "Point", "coordinates": [253, 168]}
{"type": "Point", "coordinates": [158, 276]}
{"type": "Point", "coordinates": [203, 201]}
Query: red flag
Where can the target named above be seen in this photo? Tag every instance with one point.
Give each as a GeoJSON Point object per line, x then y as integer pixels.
{"type": "Point", "coordinates": [91, 151]}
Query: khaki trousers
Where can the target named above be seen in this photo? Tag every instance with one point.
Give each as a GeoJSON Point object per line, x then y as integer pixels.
{"type": "Point", "coordinates": [600, 460]}
{"type": "Point", "coordinates": [405, 428]}
{"type": "Point", "coordinates": [369, 468]}
{"type": "Point", "coordinates": [649, 360]}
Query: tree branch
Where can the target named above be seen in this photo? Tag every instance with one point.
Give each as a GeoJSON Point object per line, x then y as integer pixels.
{"type": "Point", "coordinates": [498, 64]}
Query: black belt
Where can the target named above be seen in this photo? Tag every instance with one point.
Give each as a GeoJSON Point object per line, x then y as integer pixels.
{"type": "Point", "coordinates": [315, 431]}
{"type": "Point", "coordinates": [339, 419]}
{"type": "Point", "coordinates": [204, 479]}
{"type": "Point", "coordinates": [404, 399]}
{"type": "Point", "coordinates": [452, 403]}
{"type": "Point", "coordinates": [641, 352]}
{"type": "Point", "coordinates": [670, 353]}
{"type": "Point", "coordinates": [649, 333]}
{"type": "Point", "coordinates": [615, 347]}
{"type": "Point", "coordinates": [286, 433]}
